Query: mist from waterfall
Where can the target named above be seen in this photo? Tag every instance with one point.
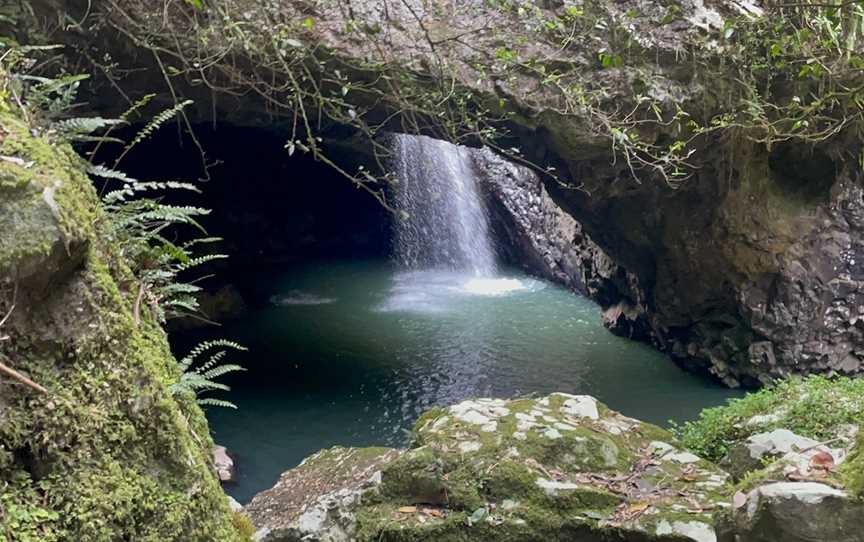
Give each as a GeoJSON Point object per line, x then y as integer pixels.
{"type": "Point", "coordinates": [445, 225]}
{"type": "Point", "coordinates": [442, 243]}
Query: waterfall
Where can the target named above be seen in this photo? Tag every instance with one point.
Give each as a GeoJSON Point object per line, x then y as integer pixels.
{"type": "Point", "coordinates": [446, 226]}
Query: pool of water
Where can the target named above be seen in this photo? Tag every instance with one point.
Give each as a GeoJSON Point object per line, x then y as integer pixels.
{"type": "Point", "coordinates": [352, 353]}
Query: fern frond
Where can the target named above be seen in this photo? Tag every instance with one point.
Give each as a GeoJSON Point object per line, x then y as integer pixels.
{"type": "Point", "coordinates": [214, 359]}
{"type": "Point", "coordinates": [195, 262]}
{"type": "Point", "coordinates": [154, 124]}
{"type": "Point", "coordinates": [84, 125]}
{"type": "Point", "coordinates": [108, 173]}
{"type": "Point", "coordinates": [209, 401]}
{"type": "Point", "coordinates": [137, 106]}
{"type": "Point", "coordinates": [216, 372]}
{"type": "Point", "coordinates": [200, 241]}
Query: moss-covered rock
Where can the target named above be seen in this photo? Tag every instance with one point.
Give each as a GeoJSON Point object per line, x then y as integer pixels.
{"type": "Point", "coordinates": [794, 450]}
{"type": "Point", "coordinates": [562, 467]}
{"type": "Point", "coordinates": [107, 453]}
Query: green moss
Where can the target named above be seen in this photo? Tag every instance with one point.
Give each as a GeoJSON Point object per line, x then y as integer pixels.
{"type": "Point", "coordinates": [415, 477]}
{"type": "Point", "coordinates": [814, 407]}
{"type": "Point", "coordinates": [108, 453]}
{"type": "Point", "coordinates": [852, 471]}
{"type": "Point", "coordinates": [243, 525]}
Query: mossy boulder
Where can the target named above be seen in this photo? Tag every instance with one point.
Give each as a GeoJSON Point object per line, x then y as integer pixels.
{"type": "Point", "coordinates": [562, 467]}
{"type": "Point", "coordinates": [106, 453]}
{"type": "Point", "coordinates": [795, 453]}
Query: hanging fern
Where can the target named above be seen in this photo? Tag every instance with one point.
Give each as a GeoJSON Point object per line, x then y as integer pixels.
{"type": "Point", "coordinates": [202, 379]}
{"type": "Point", "coordinates": [151, 127]}
{"type": "Point", "coordinates": [140, 225]}
{"type": "Point", "coordinates": [108, 173]}
{"type": "Point", "coordinates": [130, 190]}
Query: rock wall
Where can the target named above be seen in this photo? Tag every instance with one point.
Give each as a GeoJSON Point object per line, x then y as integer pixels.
{"type": "Point", "coordinates": [751, 278]}
{"type": "Point", "coordinates": [103, 451]}
{"type": "Point", "coordinates": [532, 231]}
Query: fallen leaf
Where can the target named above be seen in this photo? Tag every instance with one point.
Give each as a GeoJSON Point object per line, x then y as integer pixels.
{"type": "Point", "coordinates": [407, 509]}
{"type": "Point", "coordinates": [638, 507]}
{"type": "Point", "coordinates": [822, 460]}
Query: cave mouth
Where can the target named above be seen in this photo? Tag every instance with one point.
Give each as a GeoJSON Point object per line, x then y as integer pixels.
{"type": "Point", "coordinates": [357, 323]}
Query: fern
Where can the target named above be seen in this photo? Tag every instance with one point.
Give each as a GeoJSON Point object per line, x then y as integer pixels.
{"type": "Point", "coordinates": [137, 107]}
{"type": "Point", "coordinates": [82, 126]}
{"type": "Point", "coordinates": [151, 127]}
{"type": "Point", "coordinates": [108, 173]}
{"type": "Point", "coordinates": [121, 195]}
{"type": "Point", "coordinates": [202, 379]}
{"type": "Point", "coordinates": [139, 224]}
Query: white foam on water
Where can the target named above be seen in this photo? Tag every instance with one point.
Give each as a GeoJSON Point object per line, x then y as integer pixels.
{"type": "Point", "coordinates": [493, 286]}
{"type": "Point", "coordinates": [441, 291]}
{"type": "Point", "coordinates": [296, 297]}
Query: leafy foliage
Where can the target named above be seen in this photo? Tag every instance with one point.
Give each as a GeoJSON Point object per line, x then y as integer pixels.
{"type": "Point", "coordinates": [139, 226]}
{"type": "Point", "coordinates": [79, 129]}
{"type": "Point", "coordinates": [815, 407]}
{"type": "Point", "coordinates": [201, 379]}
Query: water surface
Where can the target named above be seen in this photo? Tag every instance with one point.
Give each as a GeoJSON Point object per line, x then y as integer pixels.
{"type": "Point", "coordinates": [352, 353]}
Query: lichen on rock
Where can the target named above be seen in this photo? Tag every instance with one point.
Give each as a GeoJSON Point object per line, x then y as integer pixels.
{"type": "Point", "coordinates": [562, 467]}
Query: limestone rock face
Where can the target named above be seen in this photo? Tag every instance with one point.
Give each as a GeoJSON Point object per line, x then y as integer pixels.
{"type": "Point", "coordinates": [562, 467]}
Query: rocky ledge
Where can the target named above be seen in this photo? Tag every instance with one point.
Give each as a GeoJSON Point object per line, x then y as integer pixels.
{"type": "Point", "coordinates": [561, 467]}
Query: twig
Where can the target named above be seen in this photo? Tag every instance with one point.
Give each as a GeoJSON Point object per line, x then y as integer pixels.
{"type": "Point", "coordinates": [136, 309]}
{"type": "Point", "coordinates": [818, 444]}
{"type": "Point", "coordinates": [8, 371]}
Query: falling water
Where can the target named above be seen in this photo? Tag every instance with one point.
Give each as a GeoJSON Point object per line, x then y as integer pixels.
{"type": "Point", "coordinates": [445, 224]}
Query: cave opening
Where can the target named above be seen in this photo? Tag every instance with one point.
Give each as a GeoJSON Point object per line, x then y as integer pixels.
{"type": "Point", "coordinates": [357, 319]}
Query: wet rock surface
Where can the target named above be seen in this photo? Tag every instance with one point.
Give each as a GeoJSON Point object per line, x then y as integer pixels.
{"type": "Point", "coordinates": [535, 233]}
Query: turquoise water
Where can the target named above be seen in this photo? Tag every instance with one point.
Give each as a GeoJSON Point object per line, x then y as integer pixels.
{"type": "Point", "coordinates": [352, 353]}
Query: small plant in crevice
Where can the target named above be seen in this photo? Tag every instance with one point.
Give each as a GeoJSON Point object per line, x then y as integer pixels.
{"type": "Point", "coordinates": [202, 379]}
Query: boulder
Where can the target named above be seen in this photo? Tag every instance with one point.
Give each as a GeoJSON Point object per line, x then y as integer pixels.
{"type": "Point", "coordinates": [224, 464]}
{"type": "Point", "coordinates": [562, 467]}
{"type": "Point", "coordinates": [795, 512]}
{"type": "Point", "coordinates": [793, 451]}
{"type": "Point", "coordinates": [318, 500]}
